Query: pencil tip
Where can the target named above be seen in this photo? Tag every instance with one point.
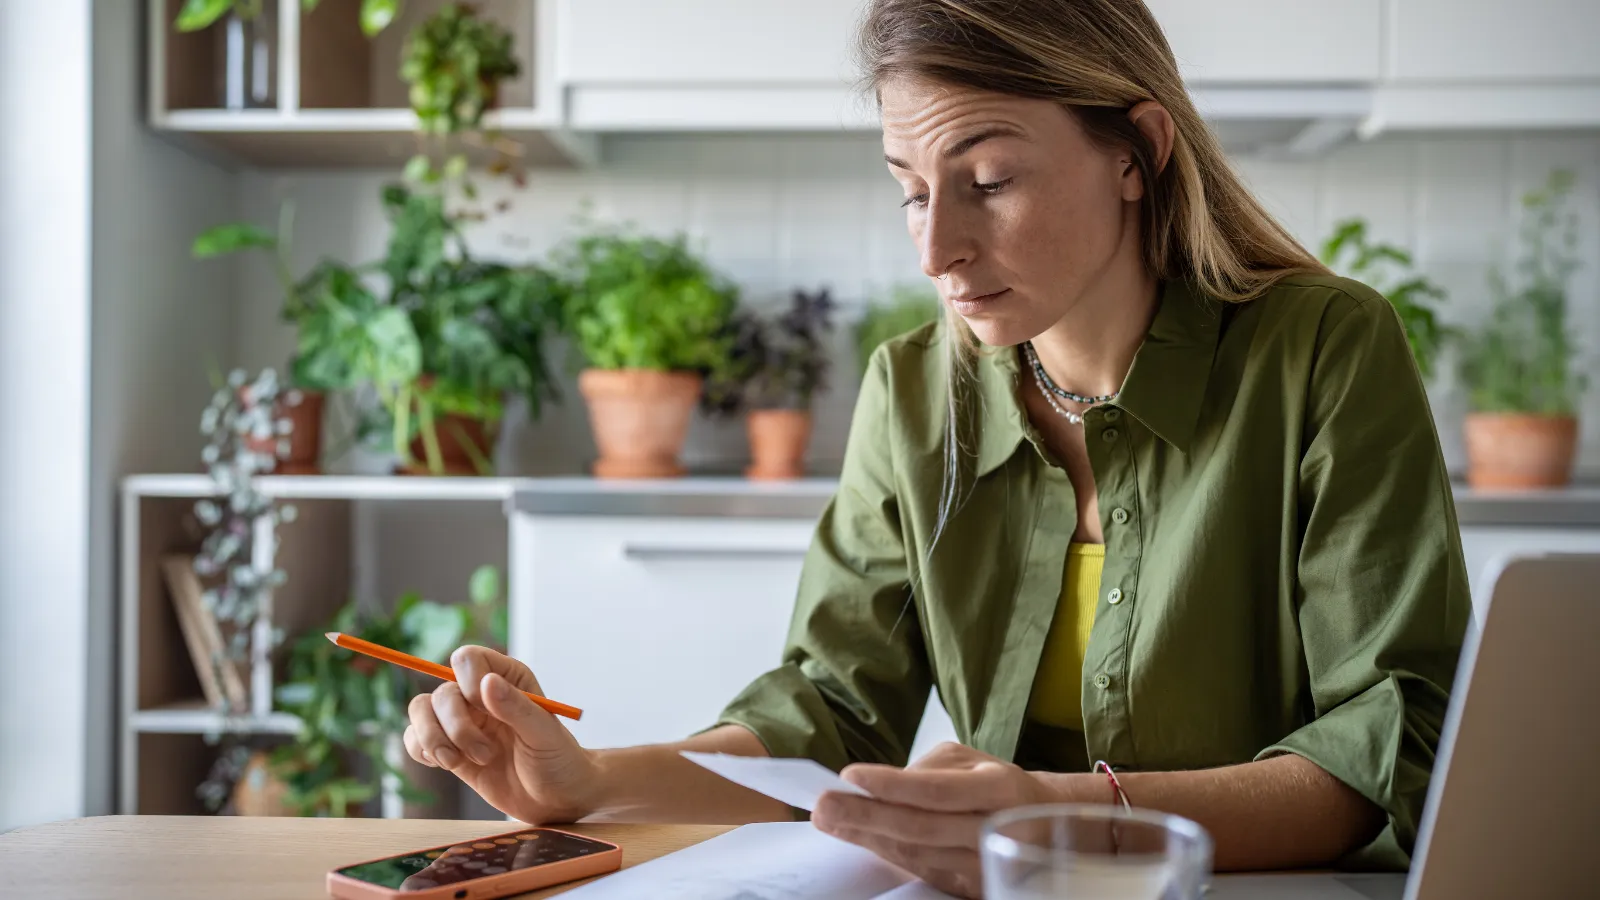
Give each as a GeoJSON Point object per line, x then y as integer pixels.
{"type": "Point", "coordinates": [332, 636]}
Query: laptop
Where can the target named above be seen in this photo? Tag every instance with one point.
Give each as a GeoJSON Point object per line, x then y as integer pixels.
{"type": "Point", "coordinates": [1513, 807]}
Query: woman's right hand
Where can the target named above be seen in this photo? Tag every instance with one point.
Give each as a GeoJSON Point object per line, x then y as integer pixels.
{"type": "Point", "coordinates": [514, 754]}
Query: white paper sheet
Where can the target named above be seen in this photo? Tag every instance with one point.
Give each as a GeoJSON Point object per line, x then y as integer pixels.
{"type": "Point", "coordinates": [797, 782]}
{"type": "Point", "coordinates": [769, 861]}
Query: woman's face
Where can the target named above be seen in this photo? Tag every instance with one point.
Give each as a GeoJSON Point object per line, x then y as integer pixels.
{"type": "Point", "coordinates": [1014, 210]}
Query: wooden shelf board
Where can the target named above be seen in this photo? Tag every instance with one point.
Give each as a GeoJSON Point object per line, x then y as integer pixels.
{"type": "Point", "coordinates": [197, 718]}
{"type": "Point", "coordinates": [334, 487]}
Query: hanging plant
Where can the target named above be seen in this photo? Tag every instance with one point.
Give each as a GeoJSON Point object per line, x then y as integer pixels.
{"type": "Point", "coordinates": [454, 63]}
{"type": "Point", "coordinates": [243, 440]}
{"type": "Point", "coordinates": [197, 14]}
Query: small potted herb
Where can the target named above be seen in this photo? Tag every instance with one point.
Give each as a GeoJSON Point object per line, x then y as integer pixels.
{"type": "Point", "coordinates": [775, 369]}
{"type": "Point", "coordinates": [907, 309]}
{"type": "Point", "coordinates": [1390, 271]}
{"type": "Point", "coordinates": [454, 63]}
{"type": "Point", "coordinates": [1521, 366]}
{"type": "Point", "coordinates": [651, 320]}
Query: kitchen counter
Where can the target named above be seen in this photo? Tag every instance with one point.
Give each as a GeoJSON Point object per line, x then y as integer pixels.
{"type": "Point", "coordinates": [1577, 506]}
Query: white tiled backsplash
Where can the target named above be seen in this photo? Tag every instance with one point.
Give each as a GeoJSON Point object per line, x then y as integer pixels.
{"type": "Point", "coordinates": [775, 213]}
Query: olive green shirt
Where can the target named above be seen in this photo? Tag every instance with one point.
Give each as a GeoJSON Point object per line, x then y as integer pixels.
{"type": "Point", "coordinates": [1283, 569]}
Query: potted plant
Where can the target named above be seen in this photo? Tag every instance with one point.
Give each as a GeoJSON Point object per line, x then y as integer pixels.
{"type": "Point", "coordinates": [1520, 366]}
{"type": "Point", "coordinates": [651, 320]}
{"type": "Point", "coordinates": [341, 330]}
{"type": "Point", "coordinates": [775, 368]}
{"type": "Point", "coordinates": [1391, 271]}
{"type": "Point", "coordinates": [908, 308]}
{"type": "Point", "coordinates": [479, 328]}
{"type": "Point", "coordinates": [248, 44]}
{"type": "Point", "coordinates": [351, 704]}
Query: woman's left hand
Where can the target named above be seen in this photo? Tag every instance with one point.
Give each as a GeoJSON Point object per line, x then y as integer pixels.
{"type": "Point", "coordinates": [925, 818]}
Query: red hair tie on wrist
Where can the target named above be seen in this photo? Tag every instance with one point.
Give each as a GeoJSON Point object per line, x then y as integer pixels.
{"type": "Point", "coordinates": [1116, 786]}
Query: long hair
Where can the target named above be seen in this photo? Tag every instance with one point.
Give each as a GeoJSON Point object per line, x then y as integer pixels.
{"type": "Point", "coordinates": [1097, 58]}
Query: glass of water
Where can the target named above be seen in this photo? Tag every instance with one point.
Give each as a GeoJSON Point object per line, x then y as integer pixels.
{"type": "Point", "coordinates": [1086, 852]}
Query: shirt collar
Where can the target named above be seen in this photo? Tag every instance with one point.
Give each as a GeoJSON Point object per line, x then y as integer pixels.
{"type": "Point", "coordinates": [1163, 390]}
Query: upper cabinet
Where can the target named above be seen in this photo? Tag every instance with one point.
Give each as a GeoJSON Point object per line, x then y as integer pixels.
{"type": "Point", "coordinates": [631, 65]}
{"type": "Point", "coordinates": [1281, 42]}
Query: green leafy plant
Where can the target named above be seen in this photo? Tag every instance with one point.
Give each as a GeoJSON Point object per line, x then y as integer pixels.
{"type": "Point", "coordinates": [350, 704]}
{"type": "Point", "coordinates": [908, 308]}
{"type": "Point", "coordinates": [454, 63]}
{"type": "Point", "coordinates": [646, 303]}
{"type": "Point", "coordinates": [343, 333]}
{"type": "Point", "coordinates": [1524, 358]}
{"type": "Point", "coordinates": [479, 325]}
{"type": "Point", "coordinates": [774, 363]}
{"type": "Point", "coordinates": [1391, 271]}
{"type": "Point", "coordinates": [197, 14]}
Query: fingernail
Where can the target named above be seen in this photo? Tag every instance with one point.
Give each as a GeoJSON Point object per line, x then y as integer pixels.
{"type": "Point", "coordinates": [447, 757]}
{"type": "Point", "coordinates": [480, 753]}
{"type": "Point", "coordinates": [427, 758]}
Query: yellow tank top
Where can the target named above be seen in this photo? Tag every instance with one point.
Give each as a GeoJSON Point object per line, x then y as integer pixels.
{"type": "Point", "coordinates": [1057, 698]}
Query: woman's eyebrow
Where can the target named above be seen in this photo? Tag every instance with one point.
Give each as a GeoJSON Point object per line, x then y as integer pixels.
{"type": "Point", "coordinates": [965, 144]}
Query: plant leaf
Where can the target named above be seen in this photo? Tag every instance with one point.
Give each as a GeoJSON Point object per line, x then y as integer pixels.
{"type": "Point", "coordinates": [198, 14]}
{"type": "Point", "coordinates": [377, 14]}
{"type": "Point", "coordinates": [434, 629]}
{"type": "Point", "coordinates": [484, 585]}
{"type": "Point", "coordinates": [231, 239]}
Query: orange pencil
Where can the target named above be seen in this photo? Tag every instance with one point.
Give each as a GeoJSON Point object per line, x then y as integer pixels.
{"type": "Point", "coordinates": [444, 673]}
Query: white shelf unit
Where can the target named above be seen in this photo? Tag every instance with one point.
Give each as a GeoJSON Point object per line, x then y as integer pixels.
{"type": "Point", "coordinates": [340, 102]}
{"type": "Point", "coordinates": [331, 552]}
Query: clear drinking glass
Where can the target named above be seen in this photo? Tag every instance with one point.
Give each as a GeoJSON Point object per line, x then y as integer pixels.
{"type": "Point", "coordinates": [1086, 852]}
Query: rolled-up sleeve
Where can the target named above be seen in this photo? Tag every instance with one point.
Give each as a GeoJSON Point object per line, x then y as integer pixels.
{"type": "Point", "coordinates": [1383, 601]}
{"type": "Point", "coordinates": [854, 678]}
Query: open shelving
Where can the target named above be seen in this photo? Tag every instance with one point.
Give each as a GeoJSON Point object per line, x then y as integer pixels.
{"type": "Point", "coordinates": [339, 98]}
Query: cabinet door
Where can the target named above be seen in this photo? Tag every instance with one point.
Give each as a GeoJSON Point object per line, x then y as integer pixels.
{"type": "Point", "coordinates": [653, 625]}
{"type": "Point", "coordinates": [1496, 40]}
{"type": "Point", "coordinates": [706, 42]}
{"type": "Point", "coordinates": [1281, 41]}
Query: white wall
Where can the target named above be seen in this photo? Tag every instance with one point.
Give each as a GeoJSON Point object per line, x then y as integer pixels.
{"type": "Point", "coordinates": [44, 408]}
{"type": "Point", "coordinates": [161, 322]}
{"type": "Point", "coordinates": [780, 212]}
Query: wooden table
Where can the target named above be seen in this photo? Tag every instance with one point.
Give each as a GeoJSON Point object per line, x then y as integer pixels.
{"type": "Point", "coordinates": [207, 857]}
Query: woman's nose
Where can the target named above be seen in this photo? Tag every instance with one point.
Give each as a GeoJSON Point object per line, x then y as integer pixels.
{"type": "Point", "coordinates": [943, 242]}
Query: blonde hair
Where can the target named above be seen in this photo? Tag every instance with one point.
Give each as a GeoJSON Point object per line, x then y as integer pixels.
{"type": "Point", "coordinates": [1098, 58]}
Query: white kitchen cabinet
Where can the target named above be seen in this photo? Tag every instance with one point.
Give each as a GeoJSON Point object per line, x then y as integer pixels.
{"type": "Point", "coordinates": [1500, 41]}
{"type": "Point", "coordinates": [653, 624]}
{"type": "Point", "coordinates": [1273, 41]}
{"type": "Point", "coordinates": [1484, 544]}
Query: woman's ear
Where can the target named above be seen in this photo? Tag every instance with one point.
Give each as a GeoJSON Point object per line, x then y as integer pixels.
{"type": "Point", "coordinates": [1153, 121]}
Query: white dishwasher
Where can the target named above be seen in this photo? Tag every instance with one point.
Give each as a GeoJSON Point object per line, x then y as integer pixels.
{"type": "Point", "coordinates": [651, 611]}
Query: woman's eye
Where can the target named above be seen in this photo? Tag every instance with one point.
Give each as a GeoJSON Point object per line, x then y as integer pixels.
{"type": "Point", "coordinates": [917, 200]}
{"type": "Point", "coordinates": [993, 187]}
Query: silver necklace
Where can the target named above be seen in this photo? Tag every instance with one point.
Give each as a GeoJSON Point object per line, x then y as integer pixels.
{"type": "Point", "coordinates": [1049, 389]}
{"type": "Point", "coordinates": [1050, 384]}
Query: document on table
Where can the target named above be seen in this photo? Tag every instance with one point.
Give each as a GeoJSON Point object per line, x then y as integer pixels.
{"type": "Point", "coordinates": [768, 861]}
{"type": "Point", "coordinates": [797, 782]}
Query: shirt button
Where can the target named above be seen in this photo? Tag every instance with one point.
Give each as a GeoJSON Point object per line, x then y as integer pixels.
{"type": "Point", "coordinates": [1113, 414]}
{"type": "Point", "coordinates": [1102, 681]}
{"type": "Point", "coordinates": [1114, 597]}
{"type": "Point", "coordinates": [1109, 435]}
{"type": "Point", "coordinates": [1119, 516]}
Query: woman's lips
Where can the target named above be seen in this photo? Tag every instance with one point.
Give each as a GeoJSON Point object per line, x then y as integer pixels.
{"type": "Point", "coordinates": [974, 304]}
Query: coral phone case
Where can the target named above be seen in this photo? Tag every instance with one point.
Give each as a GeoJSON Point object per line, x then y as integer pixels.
{"type": "Point", "coordinates": [500, 865]}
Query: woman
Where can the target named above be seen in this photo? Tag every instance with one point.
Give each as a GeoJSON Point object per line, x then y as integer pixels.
{"type": "Point", "coordinates": [1161, 491]}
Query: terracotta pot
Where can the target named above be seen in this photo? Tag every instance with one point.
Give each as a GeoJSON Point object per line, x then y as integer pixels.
{"type": "Point", "coordinates": [259, 791]}
{"type": "Point", "coordinates": [640, 418]}
{"type": "Point", "coordinates": [305, 438]}
{"type": "Point", "coordinates": [456, 435]}
{"type": "Point", "coordinates": [778, 443]}
{"type": "Point", "coordinates": [1518, 450]}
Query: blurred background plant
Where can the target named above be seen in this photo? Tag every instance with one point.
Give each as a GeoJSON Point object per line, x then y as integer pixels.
{"type": "Point", "coordinates": [775, 362]}
{"type": "Point", "coordinates": [906, 309]}
{"type": "Point", "coordinates": [1391, 271]}
{"type": "Point", "coordinates": [1524, 358]}
{"type": "Point", "coordinates": [197, 14]}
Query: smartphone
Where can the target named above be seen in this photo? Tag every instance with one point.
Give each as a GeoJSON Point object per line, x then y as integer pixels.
{"type": "Point", "coordinates": [500, 865]}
